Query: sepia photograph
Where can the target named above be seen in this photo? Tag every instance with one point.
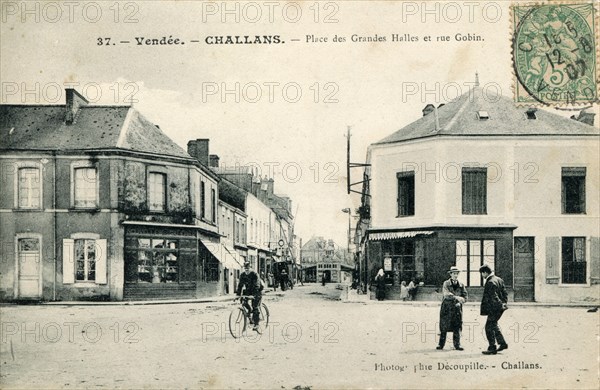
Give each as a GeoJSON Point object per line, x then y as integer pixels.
{"type": "Point", "coordinates": [299, 195]}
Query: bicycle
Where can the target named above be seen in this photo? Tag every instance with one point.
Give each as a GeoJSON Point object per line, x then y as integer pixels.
{"type": "Point", "coordinates": [240, 316]}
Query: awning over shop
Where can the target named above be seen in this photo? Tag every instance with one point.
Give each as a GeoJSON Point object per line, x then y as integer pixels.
{"type": "Point", "coordinates": [227, 257]}
{"type": "Point", "coordinates": [232, 258]}
{"type": "Point", "coordinates": [396, 235]}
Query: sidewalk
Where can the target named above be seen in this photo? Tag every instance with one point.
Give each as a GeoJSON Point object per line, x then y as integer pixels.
{"type": "Point", "coordinates": [219, 298]}
{"type": "Point", "coordinates": [351, 296]}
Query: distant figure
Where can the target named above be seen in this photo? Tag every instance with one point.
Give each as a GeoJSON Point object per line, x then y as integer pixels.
{"type": "Point", "coordinates": [323, 279]}
{"type": "Point", "coordinates": [451, 313]}
{"type": "Point", "coordinates": [283, 279]}
{"type": "Point", "coordinates": [412, 289]}
{"type": "Point", "coordinates": [493, 305]}
{"type": "Point", "coordinates": [380, 283]}
{"type": "Point", "coordinates": [403, 291]}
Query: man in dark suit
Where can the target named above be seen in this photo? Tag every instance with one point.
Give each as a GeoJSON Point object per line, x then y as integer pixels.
{"type": "Point", "coordinates": [493, 305]}
{"type": "Point", "coordinates": [251, 284]}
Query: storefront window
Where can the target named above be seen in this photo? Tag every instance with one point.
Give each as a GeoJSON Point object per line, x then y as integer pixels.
{"type": "Point", "coordinates": [157, 260]}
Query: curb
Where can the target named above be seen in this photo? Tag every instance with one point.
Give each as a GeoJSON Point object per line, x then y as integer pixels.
{"type": "Point", "coordinates": [510, 304]}
{"type": "Point", "coordinates": [220, 298]}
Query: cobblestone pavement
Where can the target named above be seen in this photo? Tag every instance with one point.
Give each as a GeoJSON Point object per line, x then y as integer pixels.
{"type": "Point", "coordinates": [313, 341]}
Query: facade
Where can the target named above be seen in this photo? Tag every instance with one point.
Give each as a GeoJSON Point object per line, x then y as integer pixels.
{"type": "Point", "coordinates": [269, 221]}
{"type": "Point", "coordinates": [324, 260]}
{"type": "Point", "coordinates": [98, 203]}
{"type": "Point", "coordinates": [521, 196]}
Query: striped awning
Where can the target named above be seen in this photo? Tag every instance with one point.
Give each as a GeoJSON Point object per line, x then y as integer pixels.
{"type": "Point", "coordinates": [396, 235]}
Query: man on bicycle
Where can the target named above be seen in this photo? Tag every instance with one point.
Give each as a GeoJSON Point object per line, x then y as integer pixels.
{"type": "Point", "coordinates": [251, 284]}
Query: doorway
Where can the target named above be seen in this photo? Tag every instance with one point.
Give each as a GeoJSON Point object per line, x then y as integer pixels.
{"type": "Point", "coordinates": [524, 269]}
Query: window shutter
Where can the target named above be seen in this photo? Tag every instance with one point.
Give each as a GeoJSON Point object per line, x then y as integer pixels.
{"type": "Point", "coordinates": [101, 256]}
{"type": "Point", "coordinates": [68, 261]}
{"type": "Point", "coordinates": [552, 260]}
{"type": "Point", "coordinates": [595, 260]}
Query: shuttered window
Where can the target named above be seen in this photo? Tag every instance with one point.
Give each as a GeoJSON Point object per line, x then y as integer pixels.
{"type": "Point", "coordinates": [574, 265]}
{"type": "Point", "coordinates": [85, 260]}
{"type": "Point", "coordinates": [474, 190]}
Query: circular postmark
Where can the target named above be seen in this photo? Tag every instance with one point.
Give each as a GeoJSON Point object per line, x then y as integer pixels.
{"type": "Point", "coordinates": [554, 54]}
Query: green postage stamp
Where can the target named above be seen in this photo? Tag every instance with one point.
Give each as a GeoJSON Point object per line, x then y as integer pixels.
{"type": "Point", "coordinates": [554, 53]}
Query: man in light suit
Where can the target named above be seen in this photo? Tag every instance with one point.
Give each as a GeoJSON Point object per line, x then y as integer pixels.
{"type": "Point", "coordinates": [493, 305]}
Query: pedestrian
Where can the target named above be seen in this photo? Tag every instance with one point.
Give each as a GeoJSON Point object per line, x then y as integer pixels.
{"type": "Point", "coordinates": [493, 305]}
{"type": "Point", "coordinates": [283, 279]}
{"type": "Point", "coordinates": [451, 312]}
{"type": "Point", "coordinates": [380, 283]}
{"type": "Point", "coordinates": [323, 279]}
{"type": "Point", "coordinates": [403, 291]}
{"type": "Point", "coordinates": [412, 289]}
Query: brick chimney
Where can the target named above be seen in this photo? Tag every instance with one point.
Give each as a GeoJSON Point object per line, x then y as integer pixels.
{"type": "Point", "coordinates": [270, 186]}
{"type": "Point", "coordinates": [213, 160]}
{"type": "Point", "coordinates": [74, 101]}
{"type": "Point", "coordinates": [198, 149]}
{"type": "Point", "coordinates": [428, 109]}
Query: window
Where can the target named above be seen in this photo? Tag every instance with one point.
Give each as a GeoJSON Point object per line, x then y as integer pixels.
{"type": "Point", "coordinates": [202, 199]}
{"type": "Point", "coordinates": [406, 193]}
{"type": "Point", "coordinates": [573, 190]}
{"type": "Point", "coordinates": [472, 254]}
{"type": "Point", "coordinates": [156, 191]}
{"type": "Point", "coordinates": [244, 237]}
{"type": "Point", "coordinates": [85, 258]}
{"type": "Point", "coordinates": [213, 199]}
{"type": "Point", "coordinates": [29, 188]}
{"type": "Point", "coordinates": [474, 190]}
{"type": "Point", "coordinates": [573, 260]}
{"type": "Point", "coordinates": [85, 187]}
{"type": "Point", "coordinates": [157, 260]}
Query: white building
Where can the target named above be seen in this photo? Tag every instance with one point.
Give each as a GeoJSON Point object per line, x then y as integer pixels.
{"type": "Point", "coordinates": [480, 180]}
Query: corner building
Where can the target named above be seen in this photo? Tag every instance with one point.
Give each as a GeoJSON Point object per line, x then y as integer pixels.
{"type": "Point", "coordinates": [479, 180]}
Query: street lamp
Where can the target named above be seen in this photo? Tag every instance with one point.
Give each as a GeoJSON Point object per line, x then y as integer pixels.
{"type": "Point", "coordinates": [349, 212]}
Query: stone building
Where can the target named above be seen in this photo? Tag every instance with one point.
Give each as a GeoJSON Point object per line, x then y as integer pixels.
{"type": "Point", "coordinates": [96, 202]}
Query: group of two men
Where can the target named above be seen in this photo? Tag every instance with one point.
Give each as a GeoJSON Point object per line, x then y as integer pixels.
{"type": "Point", "coordinates": [493, 305]}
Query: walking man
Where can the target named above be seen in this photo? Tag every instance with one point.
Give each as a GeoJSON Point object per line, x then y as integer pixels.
{"type": "Point", "coordinates": [493, 305]}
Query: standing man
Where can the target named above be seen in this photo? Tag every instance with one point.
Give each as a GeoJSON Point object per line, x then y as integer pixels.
{"type": "Point", "coordinates": [251, 284]}
{"type": "Point", "coordinates": [451, 313]}
{"type": "Point", "coordinates": [493, 305]}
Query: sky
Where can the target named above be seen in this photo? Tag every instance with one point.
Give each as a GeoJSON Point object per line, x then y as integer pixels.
{"type": "Point", "coordinates": [285, 107]}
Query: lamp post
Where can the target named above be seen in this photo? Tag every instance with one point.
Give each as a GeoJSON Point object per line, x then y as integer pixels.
{"type": "Point", "coordinates": [349, 212]}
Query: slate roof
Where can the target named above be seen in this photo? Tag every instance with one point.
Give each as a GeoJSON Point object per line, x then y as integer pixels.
{"type": "Point", "coordinates": [460, 118]}
{"type": "Point", "coordinates": [41, 127]}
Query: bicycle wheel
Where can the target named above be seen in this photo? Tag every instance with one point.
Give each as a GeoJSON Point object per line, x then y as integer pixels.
{"type": "Point", "coordinates": [264, 317]}
{"type": "Point", "coordinates": [237, 322]}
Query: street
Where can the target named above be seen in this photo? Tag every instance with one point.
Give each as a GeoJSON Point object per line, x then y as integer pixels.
{"type": "Point", "coordinates": [313, 340]}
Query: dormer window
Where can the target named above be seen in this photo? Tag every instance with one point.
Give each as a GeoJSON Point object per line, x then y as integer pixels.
{"type": "Point", "coordinates": [531, 113]}
{"type": "Point", "coordinates": [483, 115]}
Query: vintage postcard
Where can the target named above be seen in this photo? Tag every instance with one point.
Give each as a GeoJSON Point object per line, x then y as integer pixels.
{"type": "Point", "coordinates": [306, 194]}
